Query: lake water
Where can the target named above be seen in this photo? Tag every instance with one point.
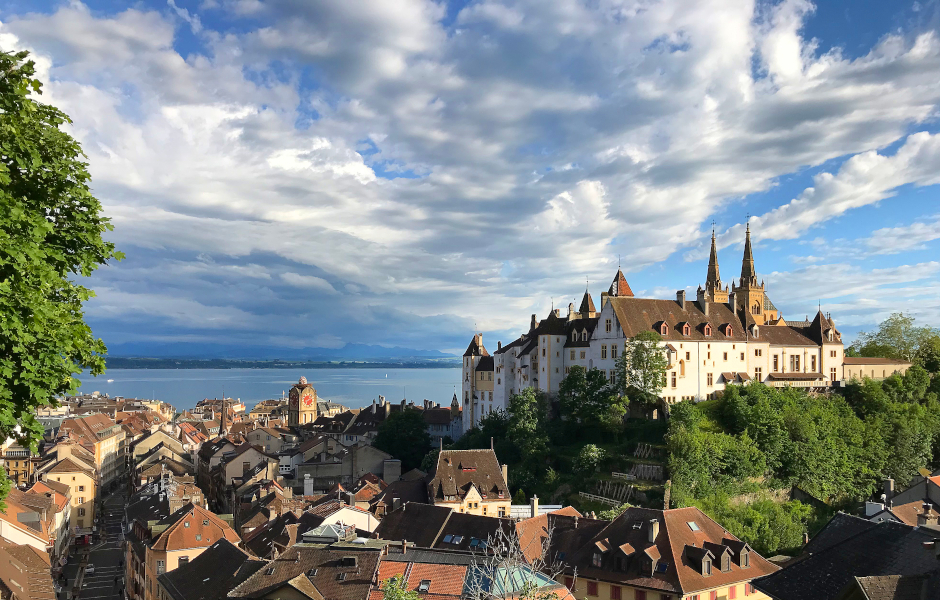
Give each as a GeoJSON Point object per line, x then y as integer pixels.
{"type": "Point", "coordinates": [353, 387]}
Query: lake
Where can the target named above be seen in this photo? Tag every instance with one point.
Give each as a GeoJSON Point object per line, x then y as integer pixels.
{"type": "Point", "coordinates": [353, 387]}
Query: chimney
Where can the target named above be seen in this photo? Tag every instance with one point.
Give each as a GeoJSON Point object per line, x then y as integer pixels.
{"type": "Point", "coordinates": [680, 299]}
{"type": "Point", "coordinates": [533, 323]}
{"type": "Point", "coordinates": [558, 312]}
{"type": "Point", "coordinates": [653, 530]}
{"type": "Point", "coordinates": [889, 489]}
{"type": "Point", "coordinates": [404, 546]}
{"type": "Point", "coordinates": [499, 344]}
{"type": "Point", "coordinates": [576, 521]}
{"type": "Point", "coordinates": [534, 505]}
{"type": "Point", "coordinates": [570, 309]}
{"type": "Point", "coordinates": [505, 470]}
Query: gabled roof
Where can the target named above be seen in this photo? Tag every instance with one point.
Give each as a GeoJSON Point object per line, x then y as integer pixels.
{"type": "Point", "coordinates": [192, 527]}
{"type": "Point", "coordinates": [457, 470]}
{"type": "Point", "coordinates": [210, 576]}
{"type": "Point", "coordinates": [67, 465]}
{"type": "Point", "coordinates": [322, 566]}
{"type": "Point", "coordinates": [643, 314]}
{"type": "Point", "coordinates": [885, 549]}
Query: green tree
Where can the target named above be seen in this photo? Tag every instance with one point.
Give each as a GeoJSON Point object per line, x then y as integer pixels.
{"type": "Point", "coordinates": [587, 398]}
{"type": "Point", "coordinates": [50, 235]}
{"type": "Point", "coordinates": [396, 589]}
{"type": "Point", "coordinates": [404, 435]}
{"type": "Point", "coordinates": [527, 416]}
{"type": "Point", "coordinates": [642, 367]}
{"type": "Point", "coordinates": [897, 337]}
{"type": "Point", "coordinates": [589, 459]}
{"type": "Point", "coordinates": [928, 354]}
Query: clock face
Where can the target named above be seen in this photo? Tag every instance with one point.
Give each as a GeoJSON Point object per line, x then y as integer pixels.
{"type": "Point", "coordinates": [307, 398]}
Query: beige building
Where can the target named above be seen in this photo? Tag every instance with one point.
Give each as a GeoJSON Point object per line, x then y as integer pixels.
{"type": "Point", "coordinates": [178, 539]}
{"type": "Point", "coordinates": [19, 462]}
{"type": "Point", "coordinates": [470, 481]}
{"type": "Point", "coordinates": [858, 367]}
{"type": "Point", "coordinates": [81, 479]}
{"type": "Point", "coordinates": [102, 437]}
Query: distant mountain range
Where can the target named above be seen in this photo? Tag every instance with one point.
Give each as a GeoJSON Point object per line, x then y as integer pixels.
{"type": "Point", "coordinates": [350, 352]}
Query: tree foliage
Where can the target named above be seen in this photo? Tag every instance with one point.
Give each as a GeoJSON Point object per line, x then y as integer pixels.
{"type": "Point", "coordinates": [50, 235]}
{"type": "Point", "coordinates": [898, 336]}
{"type": "Point", "coordinates": [642, 367]}
{"type": "Point", "coordinates": [589, 458]}
{"type": "Point", "coordinates": [396, 588]}
{"type": "Point", "coordinates": [404, 435]}
{"type": "Point", "coordinates": [588, 399]}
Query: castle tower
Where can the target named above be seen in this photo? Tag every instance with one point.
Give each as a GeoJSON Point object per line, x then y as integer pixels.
{"type": "Point", "coordinates": [587, 310]}
{"type": "Point", "coordinates": [749, 293]}
{"type": "Point", "coordinates": [473, 396]}
{"type": "Point", "coordinates": [714, 291]}
{"type": "Point", "coordinates": [302, 406]}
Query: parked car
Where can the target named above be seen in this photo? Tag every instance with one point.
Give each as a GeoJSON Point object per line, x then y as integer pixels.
{"type": "Point", "coordinates": [90, 570]}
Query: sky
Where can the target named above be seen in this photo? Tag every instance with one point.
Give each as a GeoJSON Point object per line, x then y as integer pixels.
{"type": "Point", "coordinates": [289, 174]}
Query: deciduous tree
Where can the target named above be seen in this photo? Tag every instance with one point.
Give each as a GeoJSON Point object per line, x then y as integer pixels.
{"type": "Point", "coordinates": [51, 231]}
{"type": "Point", "coordinates": [642, 367]}
{"type": "Point", "coordinates": [404, 435]}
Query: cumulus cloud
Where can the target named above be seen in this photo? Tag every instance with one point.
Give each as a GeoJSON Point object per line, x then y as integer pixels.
{"type": "Point", "coordinates": [894, 240]}
{"type": "Point", "coordinates": [447, 165]}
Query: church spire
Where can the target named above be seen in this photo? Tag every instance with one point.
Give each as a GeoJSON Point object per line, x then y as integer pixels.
{"type": "Point", "coordinates": [748, 273]}
{"type": "Point", "coordinates": [713, 279]}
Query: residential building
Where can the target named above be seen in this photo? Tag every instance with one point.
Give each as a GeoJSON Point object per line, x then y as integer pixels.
{"type": "Point", "coordinates": [82, 481]}
{"type": "Point", "coordinates": [25, 573]}
{"type": "Point", "coordinates": [101, 436]}
{"type": "Point", "coordinates": [228, 565]}
{"type": "Point", "coordinates": [19, 462]}
{"type": "Point", "coordinates": [470, 481]}
{"type": "Point", "coordinates": [851, 555]}
{"type": "Point", "coordinates": [59, 498]}
{"type": "Point", "coordinates": [665, 554]}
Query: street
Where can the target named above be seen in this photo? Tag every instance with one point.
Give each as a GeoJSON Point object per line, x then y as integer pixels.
{"type": "Point", "coordinates": [107, 580]}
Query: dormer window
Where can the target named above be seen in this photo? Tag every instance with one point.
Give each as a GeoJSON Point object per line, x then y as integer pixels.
{"type": "Point", "coordinates": [706, 567]}
{"type": "Point", "coordinates": [829, 335]}
{"type": "Point", "coordinates": [574, 336]}
{"type": "Point", "coordinates": [708, 330]}
{"type": "Point", "coordinates": [745, 559]}
{"type": "Point", "coordinates": [584, 337]}
{"type": "Point", "coordinates": [729, 331]}
{"type": "Point", "coordinates": [725, 562]}
{"type": "Point", "coordinates": [686, 329]}
{"type": "Point", "coordinates": [663, 329]}
{"type": "Point", "coordinates": [755, 332]}
{"type": "Point", "coordinates": [597, 559]}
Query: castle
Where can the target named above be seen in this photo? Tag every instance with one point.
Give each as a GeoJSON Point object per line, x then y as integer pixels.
{"type": "Point", "coordinates": [725, 335]}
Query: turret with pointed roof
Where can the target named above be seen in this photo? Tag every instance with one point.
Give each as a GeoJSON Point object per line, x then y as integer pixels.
{"type": "Point", "coordinates": [587, 305]}
{"type": "Point", "coordinates": [619, 287]}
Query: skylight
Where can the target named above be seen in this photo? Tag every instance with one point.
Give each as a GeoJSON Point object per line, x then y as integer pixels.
{"type": "Point", "coordinates": [425, 585]}
{"type": "Point", "coordinates": [692, 525]}
{"type": "Point", "coordinates": [448, 539]}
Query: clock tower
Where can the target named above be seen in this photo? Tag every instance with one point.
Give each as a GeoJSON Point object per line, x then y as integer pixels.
{"type": "Point", "coordinates": [302, 407]}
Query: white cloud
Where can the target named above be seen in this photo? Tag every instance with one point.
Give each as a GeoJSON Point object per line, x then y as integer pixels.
{"type": "Point", "coordinates": [893, 240]}
{"type": "Point", "coordinates": [540, 154]}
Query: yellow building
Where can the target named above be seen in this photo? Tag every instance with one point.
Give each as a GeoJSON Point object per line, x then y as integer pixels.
{"type": "Point", "coordinates": [677, 554]}
{"type": "Point", "coordinates": [859, 367]}
{"type": "Point", "coordinates": [103, 438]}
{"type": "Point", "coordinates": [470, 481]}
{"type": "Point", "coordinates": [19, 462]}
{"type": "Point", "coordinates": [83, 482]}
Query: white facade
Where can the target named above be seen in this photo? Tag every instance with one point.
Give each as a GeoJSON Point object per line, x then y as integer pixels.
{"type": "Point", "coordinates": [737, 339]}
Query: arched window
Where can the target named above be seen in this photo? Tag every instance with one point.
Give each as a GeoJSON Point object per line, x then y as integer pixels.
{"type": "Point", "coordinates": [755, 309]}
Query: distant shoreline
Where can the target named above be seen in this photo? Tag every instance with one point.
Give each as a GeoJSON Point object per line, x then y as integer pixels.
{"type": "Point", "coordinates": [119, 363]}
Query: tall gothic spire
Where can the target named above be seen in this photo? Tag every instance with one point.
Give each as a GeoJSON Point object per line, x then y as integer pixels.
{"type": "Point", "coordinates": [748, 273]}
{"type": "Point", "coordinates": [713, 279]}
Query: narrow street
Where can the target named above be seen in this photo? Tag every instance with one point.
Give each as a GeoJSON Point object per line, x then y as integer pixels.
{"type": "Point", "coordinates": [106, 582]}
